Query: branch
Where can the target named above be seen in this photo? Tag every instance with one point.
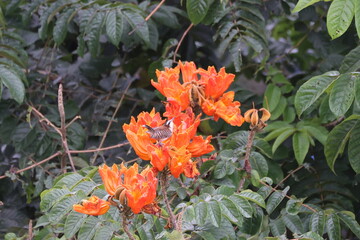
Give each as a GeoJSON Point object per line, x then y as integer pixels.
{"type": "Point", "coordinates": [181, 40]}
{"type": "Point", "coordinates": [163, 185]}
{"type": "Point", "coordinates": [63, 126]}
{"type": "Point", "coordinates": [290, 173]}
{"type": "Point", "coordinates": [148, 17]}
{"type": "Point", "coordinates": [110, 122]}
{"type": "Point", "coordinates": [34, 165]}
{"type": "Point", "coordinates": [125, 227]}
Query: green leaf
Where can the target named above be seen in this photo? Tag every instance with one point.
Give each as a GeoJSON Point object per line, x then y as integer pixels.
{"type": "Point", "coordinates": [259, 163]}
{"type": "Point", "coordinates": [60, 29]}
{"type": "Point", "coordinates": [137, 22]}
{"type": "Point", "coordinates": [73, 223]}
{"type": "Point", "coordinates": [103, 233]}
{"type": "Point", "coordinates": [253, 196]}
{"type": "Point", "coordinates": [343, 93]}
{"type": "Point", "coordinates": [275, 133]}
{"type": "Point", "coordinates": [197, 9]}
{"type": "Point", "coordinates": [277, 227]}
{"type": "Point", "coordinates": [114, 26]}
{"type": "Point", "coordinates": [293, 206]}
{"type": "Point", "coordinates": [235, 51]}
{"type": "Point", "coordinates": [357, 17]}
{"type": "Point", "coordinates": [50, 196]}
{"type": "Point", "coordinates": [303, 4]}
{"type": "Point", "coordinates": [289, 114]}
{"type": "Point", "coordinates": [300, 145]}
{"type": "Point", "coordinates": [13, 82]}
{"type": "Point", "coordinates": [317, 222]}
{"type": "Point", "coordinates": [282, 105]}
{"type": "Point", "coordinates": [201, 212]}
{"type": "Point", "coordinates": [43, 30]}
{"type": "Point", "coordinates": [62, 207]}
{"type": "Point", "coordinates": [68, 180]}
{"type": "Point", "coordinates": [337, 138]}
{"type": "Point", "coordinates": [242, 205]}
{"type": "Point", "coordinates": [220, 170]}
{"type": "Point", "coordinates": [339, 17]}
{"type": "Point", "coordinates": [88, 228]}
{"type": "Point", "coordinates": [93, 32]}
{"type": "Point", "coordinates": [349, 219]}
{"type": "Point", "coordinates": [293, 223]}
{"type": "Point", "coordinates": [317, 131]}
{"type": "Point", "coordinates": [353, 148]}
{"type": "Point", "coordinates": [333, 227]}
{"type": "Point", "coordinates": [230, 211]}
{"type": "Point", "coordinates": [275, 199]}
{"type": "Point", "coordinates": [281, 138]}
{"type": "Point", "coordinates": [272, 97]}
{"type": "Point", "coordinates": [312, 89]}
{"type": "Point", "coordinates": [351, 62]}
{"type": "Point", "coordinates": [12, 55]}
{"type": "Point", "coordinates": [214, 213]}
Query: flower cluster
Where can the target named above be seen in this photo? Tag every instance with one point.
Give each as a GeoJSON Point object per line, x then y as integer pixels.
{"type": "Point", "coordinates": [174, 152]}
{"type": "Point", "coordinates": [202, 88]}
{"type": "Point", "coordinates": [132, 189]}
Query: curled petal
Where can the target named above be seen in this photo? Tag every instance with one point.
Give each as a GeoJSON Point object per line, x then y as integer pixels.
{"type": "Point", "coordinates": [111, 178]}
{"type": "Point", "coordinates": [247, 115]}
{"type": "Point", "coordinates": [200, 146]}
{"type": "Point", "coordinates": [93, 206]}
{"type": "Point", "coordinates": [265, 114]}
{"type": "Point", "coordinates": [191, 170]}
{"type": "Point", "coordinates": [179, 159]}
{"type": "Point", "coordinates": [216, 83]}
{"type": "Point", "coordinates": [159, 156]}
{"type": "Point", "coordinates": [254, 118]}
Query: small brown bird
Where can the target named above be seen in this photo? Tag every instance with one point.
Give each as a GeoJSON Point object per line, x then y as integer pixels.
{"type": "Point", "coordinates": [162, 132]}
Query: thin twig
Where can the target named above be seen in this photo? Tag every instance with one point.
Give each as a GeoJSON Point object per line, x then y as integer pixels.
{"type": "Point", "coordinates": [72, 121]}
{"type": "Point", "coordinates": [99, 149]}
{"type": "Point", "coordinates": [30, 231]}
{"type": "Point", "coordinates": [148, 17]}
{"type": "Point", "coordinates": [34, 165]}
{"type": "Point", "coordinates": [63, 126]}
{"type": "Point", "coordinates": [288, 197]}
{"type": "Point", "coordinates": [290, 173]}
{"type": "Point", "coordinates": [125, 227]}
{"type": "Point", "coordinates": [181, 40]}
{"type": "Point", "coordinates": [43, 118]}
{"type": "Point", "coordinates": [110, 122]}
{"type": "Point", "coordinates": [163, 185]}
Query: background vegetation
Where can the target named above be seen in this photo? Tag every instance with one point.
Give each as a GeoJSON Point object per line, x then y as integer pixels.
{"type": "Point", "coordinates": [299, 59]}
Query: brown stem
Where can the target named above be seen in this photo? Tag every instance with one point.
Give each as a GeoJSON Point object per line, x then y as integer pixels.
{"type": "Point", "coordinates": [290, 173]}
{"type": "Point", "coordinates": [34, 165]}
{"type": "Point", "coordinates": [247, 165]}
{"type": "Point", "coordinates": [63, 126]}
{"type": "Point", "coordinates": [110, 122]}
{"type": "Point", "coordinates": [181, 40]}
{"type": "Point", "coordinates": [163, 185]}
{"type": "Point", "coordinates": [126, 229]}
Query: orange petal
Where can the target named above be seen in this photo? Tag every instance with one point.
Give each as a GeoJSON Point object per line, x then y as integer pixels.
{"type": "Point", "coordinates": [265, 114]}
{"type": "Point", "coordinates": [200, 146]}
{"type": "Point", "coordinates": [93, 206]}
{"type": "Point", "coordinates": [111, 178]}
{"type": "Point", "coordinates": [191, 170]}
{"type": "Point", "coordinates": [159, 156]}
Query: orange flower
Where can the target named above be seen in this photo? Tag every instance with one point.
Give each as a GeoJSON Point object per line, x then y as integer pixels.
{"type": "Point", "coordinates": [159, 156]}
{"type": "Point", "coordinates": [111, 178]}
{"type": "Point", "coordinates": [200, 146]}
{"type": "Point", "coordinates": [191, 170]}
{"type": "Point", "coordinates": [93, 206]}
{"type": "Point", "coordinates": [138, 135]}
{"type": "Point", "coordinates": [225, 108]}
{"type": "Point", "coordinates": [179, 159]}
{"type": "Point", "coordinates": [252, 116]}
{"type": "Point", "coordinates": [168, 85]}
{"type": "Point", "coordinates": [216, 83]}
{"type": "Point", "coordinates": [140, 188]}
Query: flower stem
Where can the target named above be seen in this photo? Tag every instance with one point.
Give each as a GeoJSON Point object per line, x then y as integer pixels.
{"type": "Point", "coordinates": [163, 184]}
{"type": "Point", "coordinates": [247, 165]}
{"type": "Point", "coordinates": [125, 227]}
